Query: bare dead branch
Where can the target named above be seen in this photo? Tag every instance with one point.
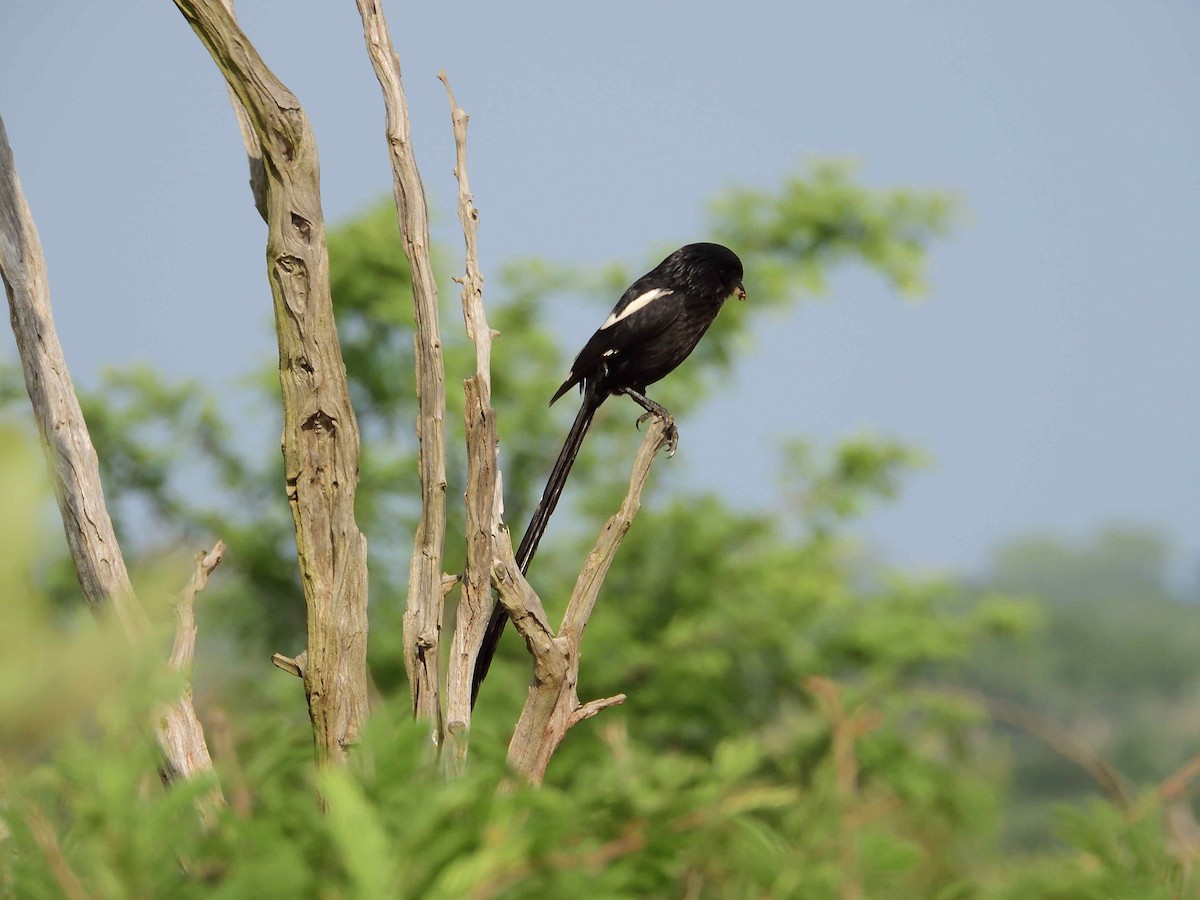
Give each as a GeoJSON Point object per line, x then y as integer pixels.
{"type": "Point", "coordinates": [1177, 783]}
{"type": "Point", "coordinates": [1062, 741]}
{"type": "Point", "coordinates": [74, 466]}
{"type": "Point", "coordinates": [254, 153]}
{"type": "Point", "coordinates": [553, 706]}
{"type": "Point", "coordinates": [320, 434]}
{"type": "Point", "coordinates": [180, 735]}
{"type": "Point", "coordinates": [483, 494]}
{"type": "Point", "coordinates": [185, 608]}
{"type": "Point", "coordinates": [423, 613]}
{"type": "Point", "coordinates": [589, 709]}
{"type": "Point", "coordinates": [520, 601]}
{"type": "Point", "coordinates": [289, 665]}
{"type": "Point", "coordinates": [472, 281]}
{"type": "Point", "coordinates": [595, 568]}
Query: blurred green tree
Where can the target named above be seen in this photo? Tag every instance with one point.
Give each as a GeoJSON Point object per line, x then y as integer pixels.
{"type": "Point", "coordinates": [176, 467]}
{"type": "Point", "coordinates": [1113, 662]}
{"type": "Point", "coordinates": [787, 733]}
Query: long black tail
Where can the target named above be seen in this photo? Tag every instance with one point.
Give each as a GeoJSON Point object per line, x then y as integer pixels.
{"type": "Point", "coordinates": [537, 525]}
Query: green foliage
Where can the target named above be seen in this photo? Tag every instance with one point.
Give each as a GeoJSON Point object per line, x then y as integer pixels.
{"type": "Point", "coordinates": [791, 236]}
{"type": "Point", "coordinates": [635, 817]}
{"type": "Point", "coordinates": [179, 467]}
{"type": "Point", "coordinates": [862, 468]}
{"type": "Point", "coordinates": [730, 772]}
{"type": "Point", "coordinates": [1113, 660]}
{"type": "Point", "coordinates": [39, 654]}
{"type": "Point", "coordinates": [789, 730]}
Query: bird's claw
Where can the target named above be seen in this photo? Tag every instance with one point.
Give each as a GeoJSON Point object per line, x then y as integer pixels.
{"type": "Point", "coordinates": [672, 431]}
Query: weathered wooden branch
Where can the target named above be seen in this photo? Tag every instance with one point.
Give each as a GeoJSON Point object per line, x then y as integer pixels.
{"type": "Point", "coordinates": [320, 433]}
{"type": "Point", "coordinates": [74, 466]}
{"type": "Point", "coordinates": [552, 706]}
{"type": "Point", "coordinates": [288, 664]}
{"type": "Point", "coordinates": [483, 499]}
{"type": "Point", "coordinates": [1062, 741]}
{"type": "Point", "coordinates": [423, 614]}
{"type": "Point", "coordinates": [180, 734]}
{"type": "Point", "coordinates": [254, 152]}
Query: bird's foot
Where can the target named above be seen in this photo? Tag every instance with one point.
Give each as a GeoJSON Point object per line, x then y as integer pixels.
{"type": "Point", "coordinates": [669, 421]}
{"type": "Point", "coordinates": [655, 411]}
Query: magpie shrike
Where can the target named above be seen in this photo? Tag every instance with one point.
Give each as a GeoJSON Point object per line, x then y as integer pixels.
{"type": "Point", "coordinates": [655, 325]}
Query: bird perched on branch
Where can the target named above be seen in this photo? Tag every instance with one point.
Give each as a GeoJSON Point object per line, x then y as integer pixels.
{"type": "Point", "coordinates": [655, 325]}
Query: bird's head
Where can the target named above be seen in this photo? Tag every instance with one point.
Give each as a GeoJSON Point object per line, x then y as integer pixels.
{"type": "Point", "coordinates": [710, 269]}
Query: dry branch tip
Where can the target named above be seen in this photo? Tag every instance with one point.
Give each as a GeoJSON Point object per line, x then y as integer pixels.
{"type": "Point", "coordinates": [288, 664]}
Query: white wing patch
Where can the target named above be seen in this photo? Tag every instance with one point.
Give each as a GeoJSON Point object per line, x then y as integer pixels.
{"type": "Point", "coordinates": [634, 305]}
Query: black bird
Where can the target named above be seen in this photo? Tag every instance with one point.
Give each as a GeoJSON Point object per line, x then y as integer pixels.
{"type": "Point", "coordinates": [655, 325]}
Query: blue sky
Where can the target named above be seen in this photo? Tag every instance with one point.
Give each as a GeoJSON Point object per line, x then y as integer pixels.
{"type": "Point", "coordinates": [1051, 374]}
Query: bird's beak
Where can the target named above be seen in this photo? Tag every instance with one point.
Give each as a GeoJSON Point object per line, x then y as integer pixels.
{"type": "Point", "coordinates": [740, 291]}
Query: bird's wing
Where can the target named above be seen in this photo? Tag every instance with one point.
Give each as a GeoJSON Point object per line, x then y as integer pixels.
{"type": "Point", "coordinates": [640, 316]}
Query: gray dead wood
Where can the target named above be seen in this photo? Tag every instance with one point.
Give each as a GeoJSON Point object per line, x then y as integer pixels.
{"type": "Point", "coordinates": [552, 706]}
{"type": "Point", "coordinates": [75, 468]}
{"type": "Point", "coordinates": [74, 465]}
{"type": "Point", "coordinates": [423, 613]}
{"type": "Point", "coordinates": [179, 725]}
{"type": "Point", "coordinates": [483, 495]}
{"type": "Point", "coordinates": [320, 433]}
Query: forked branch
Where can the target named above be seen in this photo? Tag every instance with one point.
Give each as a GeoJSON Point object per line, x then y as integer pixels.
{"type": "Point", "coordinates": [552, 706]}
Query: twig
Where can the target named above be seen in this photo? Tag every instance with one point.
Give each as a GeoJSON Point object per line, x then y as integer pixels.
{"type": "Point", "coordinates": [1174, 786]}
{"type": "Point", "coordinates": [474, 314]}
{"type": "Point", "coordinates": [1062, 741]}
{"type": "Point", "coordinates": [320, 433]}
{"type": "Point", "coordinates": [483, 494]}
{"type": "Point", "coordinates": [592, 707]}
{"type": "Point", "coordinates": [553, 706]}
{"type": "Point", "coordinates": [423, 613]}
{"type": "Point", "coordinates": [180, 734]}
{"type": "Point", "coordinates": [185, 608]}
{"type": "Point", "coordinates": [288, 664]}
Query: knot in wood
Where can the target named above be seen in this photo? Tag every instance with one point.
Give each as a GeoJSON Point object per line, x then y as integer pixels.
{"type": "Point", "coordinates": [290, 264]}
{"type": "Point", "coordinates": [320, 422]}
{"type": "Point", "coordinates": [303, 227]}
